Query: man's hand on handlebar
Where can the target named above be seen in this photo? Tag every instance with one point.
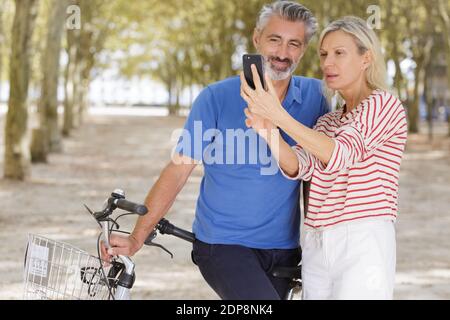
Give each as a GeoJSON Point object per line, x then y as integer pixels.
{"type": "Point", "coordinates": [120, 245]}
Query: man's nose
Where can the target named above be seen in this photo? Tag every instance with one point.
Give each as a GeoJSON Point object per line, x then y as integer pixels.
{"type": "Point", "coordinates": [282, 52]}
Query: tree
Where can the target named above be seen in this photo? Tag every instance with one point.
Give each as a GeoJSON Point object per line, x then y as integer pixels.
{"type": "Point", "coordinates": [420, 42]}
{"type": "Point", "coordinates": [2, 41]}
{"type": "Point", "coordinates": [17, 157]}
{"type": "Point", "coordinates": [47, 137]}
{"type": "Point", "coordinates": [393, 40]}
{"type": "Point", "coordinates": [70, 72]}
{"type": "Point", "coordinates": [444, 19]}
{"type": "Point", "coordinates": [100, 21]}
{"type": "Point", "coordinates": [5, 40]}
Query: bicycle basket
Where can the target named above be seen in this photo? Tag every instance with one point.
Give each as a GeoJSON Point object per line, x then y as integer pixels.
{"type": "Point", "coordinates": [58, 271]}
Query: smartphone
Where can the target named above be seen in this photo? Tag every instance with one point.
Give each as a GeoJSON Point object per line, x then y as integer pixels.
{"type": "Point", "coordinates": [258, 61]}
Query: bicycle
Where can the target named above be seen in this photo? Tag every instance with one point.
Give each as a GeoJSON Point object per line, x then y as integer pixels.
{"type": "Point", "coordinates": [56, 270]}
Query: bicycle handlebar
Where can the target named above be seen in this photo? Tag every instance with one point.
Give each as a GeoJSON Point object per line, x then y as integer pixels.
{"type": "Point", "coordinates": [131, 206]}
{"type": "Point", "coordinates": [165, 227]}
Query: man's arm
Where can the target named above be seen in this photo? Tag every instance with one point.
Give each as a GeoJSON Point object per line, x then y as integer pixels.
{"type": "Point", "coordinates": [162, 195]}
{"type": "Point", "coordinates": [158, 202]}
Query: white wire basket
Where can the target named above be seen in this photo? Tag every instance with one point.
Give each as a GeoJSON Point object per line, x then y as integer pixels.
{"type": "Point", "coordinates": [55, 270]}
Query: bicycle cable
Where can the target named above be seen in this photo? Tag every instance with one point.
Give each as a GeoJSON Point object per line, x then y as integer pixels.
{"type": "Point", "coordinates": [111, 230]}
{"type": "Point", "coordinates": [105, 278]}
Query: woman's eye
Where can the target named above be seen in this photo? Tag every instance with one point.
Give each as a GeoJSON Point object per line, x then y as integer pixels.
{"type": "Point", "coordinates": [323, 54]}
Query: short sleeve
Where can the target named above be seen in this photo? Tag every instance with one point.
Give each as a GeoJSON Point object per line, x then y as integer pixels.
{"type": "Point", "coordinates": [202, 117]}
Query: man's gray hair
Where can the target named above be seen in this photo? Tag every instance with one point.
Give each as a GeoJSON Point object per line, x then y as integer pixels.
{"type": "Point", "coordinates": [291, 11]}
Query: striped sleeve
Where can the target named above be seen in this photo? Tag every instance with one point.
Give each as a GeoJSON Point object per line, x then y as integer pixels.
{"type": "Point", "coordinates": [377, 123]}
{"type": "Point", "coordinates": [307, 161]}
{"type": "Point", "coordinates": [305, 165]}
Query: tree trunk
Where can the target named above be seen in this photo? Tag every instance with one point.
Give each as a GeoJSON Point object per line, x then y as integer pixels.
{"type": "Point", "coordinates": [69, 83]}
{"type": "Point", "coordinates": [429, 100]}
{"type": "Point", "coordinates": [171, 105]}
{"type": "Point", "coordinates": [85, 63]}
{"type": "Point", "coordinates": [17, 153]}
{"type": "Point", "coordinates": [48, 102]}
{"type": "Point", "coordinates": [445, 22]}
{"type": "Point", "coordinates": [177, 99]}
{"type": "Point", "coordinates": [391, 23]}
{"type": "Point", "coordinates": [83, 92]}
{"type": "Point", "coordinates": [398, 79]}
{"type": "Point", "coordinates": [76, 80]}
{"type": "Point", "coordinates": [413, 110]}
{"type": "Point", "coordinates": [175, 86]}
{"type": "Point", "coordinates": [39, 145]}
{"type": "Point", "coordinates": [91, 42]}
{"type": "Point", "coordinates": [2, 41]}
{"type": "Point", "coordinates": [422, 56]}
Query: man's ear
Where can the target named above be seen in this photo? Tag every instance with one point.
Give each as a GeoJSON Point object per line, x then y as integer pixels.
{"type": "Point", "coordinates": [256, 38]}
{"type": "Point", "coordinates": [303, 52]}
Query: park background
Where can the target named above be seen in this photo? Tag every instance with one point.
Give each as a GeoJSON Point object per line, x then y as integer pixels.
{"type": "Point", "coordinates": [91, 92]}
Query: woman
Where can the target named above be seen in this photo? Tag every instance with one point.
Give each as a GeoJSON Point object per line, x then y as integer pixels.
{"type": "Point", "coordinates": [352, 158]}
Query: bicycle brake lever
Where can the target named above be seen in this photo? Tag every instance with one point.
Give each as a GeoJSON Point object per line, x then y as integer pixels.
{"type": "Point", "coordinates": [153, 244]}
{"type": "Point", "coordinates": [150, 237]}
{"type": "Point", "coordinates": [92, 214]}
{"type": "Point", "coordinates": [149, 242]}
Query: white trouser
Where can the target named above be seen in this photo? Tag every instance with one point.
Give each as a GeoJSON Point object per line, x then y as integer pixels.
{"type": "Point", "coordinates": [350, 261]}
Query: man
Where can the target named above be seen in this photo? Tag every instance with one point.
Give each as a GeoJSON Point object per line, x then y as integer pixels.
{"type": "Point", "coordinates": [247, 216]}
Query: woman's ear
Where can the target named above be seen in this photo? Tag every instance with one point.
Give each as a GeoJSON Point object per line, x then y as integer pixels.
{"type": "Point", "coordinates": [367, 59]}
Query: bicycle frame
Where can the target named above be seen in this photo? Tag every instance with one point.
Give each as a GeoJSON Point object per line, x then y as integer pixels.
{"type": "Point", "coordinates": [117, 200]}
{"type": "Point", "coordinates": [123, 291]}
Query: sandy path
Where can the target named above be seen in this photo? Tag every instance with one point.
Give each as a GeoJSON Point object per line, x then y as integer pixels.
{"type": "Point", "coordinates": [128, 152]}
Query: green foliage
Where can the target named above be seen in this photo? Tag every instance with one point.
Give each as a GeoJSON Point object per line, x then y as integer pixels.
{"type": "Point", "coordinates": [200, 41]}
{"type": "Point", "coordinates": [181, 43]}
{"type": "Point", "coordinates": [6, 18]}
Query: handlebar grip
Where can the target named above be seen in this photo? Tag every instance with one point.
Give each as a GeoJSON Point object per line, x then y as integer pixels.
{"type": "Point", "coordinates": [183, 234]}
{"type": "Point", "coordinates": [165, 227]}
{"type": "Point", "coordinates": [131, 206]}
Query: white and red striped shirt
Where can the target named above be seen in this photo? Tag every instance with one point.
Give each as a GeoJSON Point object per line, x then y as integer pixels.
{"type": "Point", "coordinates": [361, 178]}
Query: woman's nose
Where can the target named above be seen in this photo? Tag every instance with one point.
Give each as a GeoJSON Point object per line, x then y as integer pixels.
{"type": "Point", "coordinates": [327, 62]}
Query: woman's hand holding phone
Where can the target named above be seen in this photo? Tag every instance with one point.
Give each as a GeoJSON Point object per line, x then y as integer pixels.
{"type": "Point", "coordinates": [261, 102]}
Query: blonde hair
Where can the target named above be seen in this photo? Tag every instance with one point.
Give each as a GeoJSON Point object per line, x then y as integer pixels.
{"type": "Point", "coordinates": [366, 40]}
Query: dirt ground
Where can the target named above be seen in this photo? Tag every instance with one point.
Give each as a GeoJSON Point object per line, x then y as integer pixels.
{"type": "Point", "coordinates": [128, 152]}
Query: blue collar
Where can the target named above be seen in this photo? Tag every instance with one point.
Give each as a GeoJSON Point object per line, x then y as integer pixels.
{"type": "Point", "coordinates": [293, 93]}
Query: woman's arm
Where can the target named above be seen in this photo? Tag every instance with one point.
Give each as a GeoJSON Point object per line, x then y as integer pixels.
{"type": "Point", "coordinates": [266, 104]}
{"type": "Point", "coordinates": [314, 142]}
{"type": "Point", "coordinates": [281, 151]}
{"type": "Point", "coordinates": [285, 156]}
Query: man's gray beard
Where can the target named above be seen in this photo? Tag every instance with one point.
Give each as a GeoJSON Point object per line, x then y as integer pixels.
{"type": "Point", "coordinates": [280, 75]}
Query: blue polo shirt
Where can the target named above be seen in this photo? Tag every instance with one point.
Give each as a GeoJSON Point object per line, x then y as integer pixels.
{"type": "Point", "coordinates": [244, 199]}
